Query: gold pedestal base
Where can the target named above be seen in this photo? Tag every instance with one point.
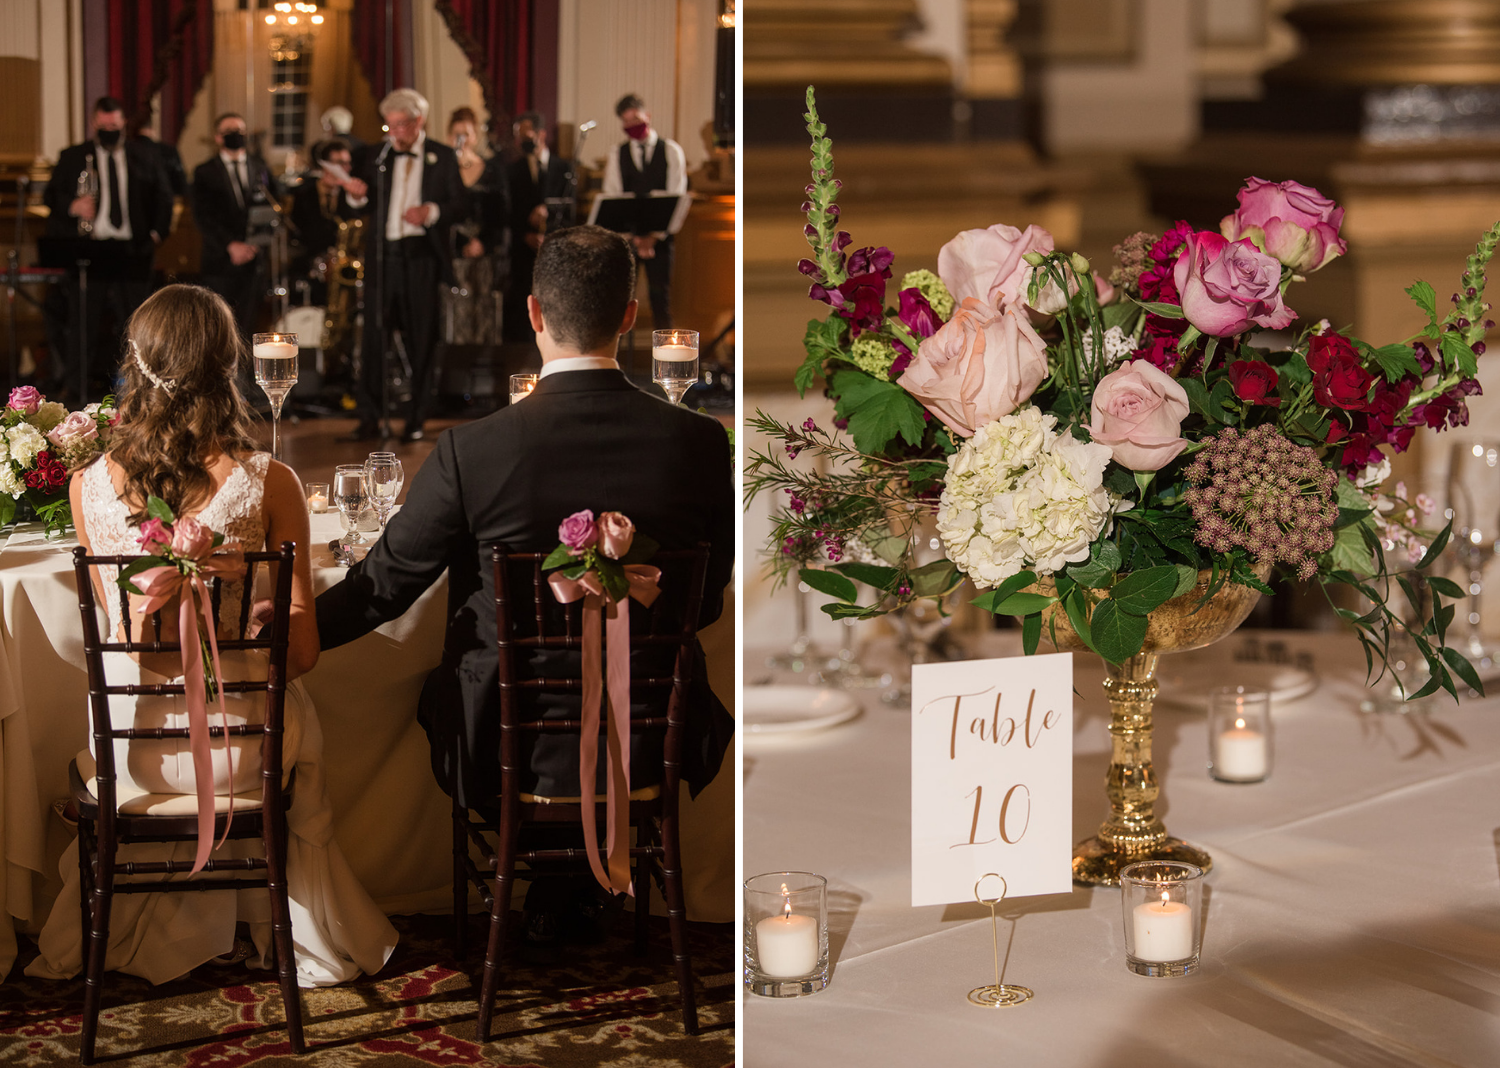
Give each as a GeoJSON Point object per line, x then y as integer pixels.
{"type": "Point", "coordinates": [1098, 863]}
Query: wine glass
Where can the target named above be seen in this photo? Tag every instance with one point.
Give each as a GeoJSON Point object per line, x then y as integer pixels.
{"type": "Point", "coordinates": [1474, 507]}
{"type": "Point", "coordinates": [674, 361]}
{"type": "Point", "coordinates": [521, 387]}
{"type": "Point", "coordinates": [350, 498]}
{"type": "Point", "coordinates": [383, 478]}
{"type": "Point", "coordinates": [276, 373]}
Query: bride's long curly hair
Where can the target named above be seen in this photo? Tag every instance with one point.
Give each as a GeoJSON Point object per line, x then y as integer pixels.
{"type": "Point", "coordinates": [179, 403]}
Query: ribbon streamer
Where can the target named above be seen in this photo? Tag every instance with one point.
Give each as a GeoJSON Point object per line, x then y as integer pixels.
{"type": "Point", "coordinates": [158, 586]}
{"type": "Point", "coordinates": [642, 580]}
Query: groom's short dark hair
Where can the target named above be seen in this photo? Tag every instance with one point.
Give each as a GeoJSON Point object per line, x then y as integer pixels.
{"type": "Point", "coordinates": [584, 279]}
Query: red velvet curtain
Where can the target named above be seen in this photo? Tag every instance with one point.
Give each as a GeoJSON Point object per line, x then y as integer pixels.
{"type": "Point", "coordinates": [496, 35]}
{"type": "Point", "coordinates": [371, 18]}
{"type": "Point", "coordinates": [158, 45]}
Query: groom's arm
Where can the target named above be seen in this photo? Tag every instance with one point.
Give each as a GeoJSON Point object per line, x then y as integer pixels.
{"type": "Point", "coordinates": [409, 557]}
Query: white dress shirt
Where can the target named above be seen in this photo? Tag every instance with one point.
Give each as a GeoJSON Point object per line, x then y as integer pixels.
{"type": "Point", "coordinates": [103, 231]}
{"type": "Point", "coordinates": [578, 363]}
{"type": "Point", "coordinates": [406, 192]}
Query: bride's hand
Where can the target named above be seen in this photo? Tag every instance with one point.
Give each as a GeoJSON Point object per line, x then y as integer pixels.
{"type": "Point", "coordinates": [260, 615]}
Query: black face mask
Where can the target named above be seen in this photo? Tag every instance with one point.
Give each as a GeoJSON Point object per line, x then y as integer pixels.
{"type": "Point", "coordinates": [528, 146]}
{"type": "Point", "coordinates": [107, 138]}
{"type": "Point", "coordinates": [234, 140]}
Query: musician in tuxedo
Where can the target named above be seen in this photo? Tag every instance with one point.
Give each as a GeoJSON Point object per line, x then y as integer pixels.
{"type": "Point", "coordinates": [227, 189]}
{"type": "Point", "coordinates": [411, 190]}
{"type": "Point", "coordinates": [646, 162]}
{"type": "Point", "coordinates": [131, 213]}
{"type": "Point", "coordinates": [533, 175]}
{"type": "Point", "coordinates": [585, 438]}
{"type": "Point", "coordinates": [319, 204]}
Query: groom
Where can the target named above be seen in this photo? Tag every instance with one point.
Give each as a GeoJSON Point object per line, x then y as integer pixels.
{"type": "Point", "coordinates": [585, 438]}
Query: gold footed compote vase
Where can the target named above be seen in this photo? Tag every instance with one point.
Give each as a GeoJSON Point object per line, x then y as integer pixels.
{"type": "Point", "coordinates": [1133, 832]}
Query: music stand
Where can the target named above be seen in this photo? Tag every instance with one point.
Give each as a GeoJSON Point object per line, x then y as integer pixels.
{"type": "Point", "coordinates": [104, 261]}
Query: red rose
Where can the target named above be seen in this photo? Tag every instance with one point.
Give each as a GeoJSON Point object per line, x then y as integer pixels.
{"type": "Point", "coordinates": [1255, 381]}
{"type": "Point", "coordinates": [1338, 379]}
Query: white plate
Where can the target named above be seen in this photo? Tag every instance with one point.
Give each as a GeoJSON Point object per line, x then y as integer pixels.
{"type": "Point", "coordinates": [1187, 678]}
{"type": "Point", "coordinates": [782, 709]}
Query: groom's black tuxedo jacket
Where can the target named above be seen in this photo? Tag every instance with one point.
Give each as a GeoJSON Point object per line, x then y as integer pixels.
{"type": "Point", "coordinates": [583, 439]}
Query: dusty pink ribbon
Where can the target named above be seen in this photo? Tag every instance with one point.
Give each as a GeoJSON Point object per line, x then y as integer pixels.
{"type": "Point", "coordinates": [159, 585]}
{"type": "Point", "coordinates": [642, 580]}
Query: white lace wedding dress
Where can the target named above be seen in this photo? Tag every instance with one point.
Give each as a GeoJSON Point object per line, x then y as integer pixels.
{"type": "Point", "coordinates": [337, 931]}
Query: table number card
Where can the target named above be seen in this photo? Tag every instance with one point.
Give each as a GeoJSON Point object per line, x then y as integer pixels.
{"type": "Point", "coordinates": [991, 776]}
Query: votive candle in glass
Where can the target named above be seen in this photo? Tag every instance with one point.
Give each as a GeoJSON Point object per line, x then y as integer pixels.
{"type": "Point", "coordinates": [1239, 734]}
{"type": "Point", "coordinates": [1162, 901]}
{"type": "Point", "coordinates": [317, 497]}
{"type": "Point", "coordinates": [786, 934]}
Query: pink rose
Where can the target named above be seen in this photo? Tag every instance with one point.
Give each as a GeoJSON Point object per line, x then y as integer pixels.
{"type": "Point", "coordinates": [25, 399]}
{"type": "Point", "coordinates": [1138, 412]}
{"type": "Point", "coordinates": [578, 531]}
{"type": "Point", "coordinates": [981, 365]}
{"type": "Point", "coordinates": [79, 426]}
{"type": "Point", "coordinates": [987, 264]}
{"type": "Point", "coordinates": [1228, 287]}
{"type": "Point", "coordinates": [1292, 222]}
{"type": "Point", "coordinates": [191, 540]}
{"type": "Point", "coordinates": [155, 537]}
{"type": "Point", "coordinates": [615, 535]}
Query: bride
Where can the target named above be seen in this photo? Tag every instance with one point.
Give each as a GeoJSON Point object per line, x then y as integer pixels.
{"type": "Point", "coordinates": [184, 437]}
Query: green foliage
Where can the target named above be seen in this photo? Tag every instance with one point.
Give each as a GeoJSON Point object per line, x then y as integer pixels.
{"type": "Point", "coordinates": [824, 341]}
{"type": "Point", "coordinates": [878, 412]}
{"type": "Point", "coordinates": [830, 583]}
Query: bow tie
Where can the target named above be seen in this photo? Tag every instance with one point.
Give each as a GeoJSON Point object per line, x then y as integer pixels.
{"type": "Point", "coordinates": [412, 154]}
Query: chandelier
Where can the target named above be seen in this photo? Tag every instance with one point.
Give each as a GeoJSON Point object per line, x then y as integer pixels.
{"type": "Point", "coordinates": [292, 28]}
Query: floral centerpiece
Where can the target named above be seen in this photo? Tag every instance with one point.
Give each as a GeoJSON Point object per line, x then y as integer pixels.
{"type": "Point", "coordinates": [41, 445]}
{"type": "Point", "coordinates": [1090, 442]}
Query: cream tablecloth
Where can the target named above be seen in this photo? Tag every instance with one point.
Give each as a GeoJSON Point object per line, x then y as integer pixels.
{"type": "Point", "coordinates": [1352, 916]}
{"type": "Point", "coordinates": [391, 819]}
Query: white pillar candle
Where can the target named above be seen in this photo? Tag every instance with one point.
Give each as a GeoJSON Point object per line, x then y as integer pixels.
{"type": "Point", "coordinates": [1242, 754]}
{"type": "Point", "coordinates": [786, 946]}
{"type": "Point", "coordinates": [275, 350]}
{"type": "Point", "coordinates": [317, 503]}
{"type": "Point", "coordinates": [1163, 930]}
{"type": "Point", "coordinates": [675, 353]}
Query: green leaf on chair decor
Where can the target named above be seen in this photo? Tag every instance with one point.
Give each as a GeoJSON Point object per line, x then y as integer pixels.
{"type": "Point", "coordinates": [157, 508]}
{"type": "Point", "coordinates": [829, 582]}
{"type": "Point", "coordinates": [557, 558]}
{"type": "Point", "coordinates": [1117, 634]}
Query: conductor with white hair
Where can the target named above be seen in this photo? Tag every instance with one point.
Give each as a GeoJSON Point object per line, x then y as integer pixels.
{"type": "Point", "coordinates": [412, 192]}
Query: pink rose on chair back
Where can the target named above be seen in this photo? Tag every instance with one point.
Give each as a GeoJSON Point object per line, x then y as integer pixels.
{"type": "Point", "coordinates": [981, 365]}
{"type": "Point", "coordinates": [1228, 287]}
{"type": "Point", "coordinates": [25, 399]}
{"type": "Point", "coordinates": [1288, 220]}
{"type": "Point", "coordinates": [1138, 411]}
{"type": "Point", "coordinates": [615, 534]}
{"type": "Point", "coordinates": [578, 532]}
{"type": "Point", "coordinates": [156, 536]}
{"type": "Point", "coordinates": [191, 539]}
{"type": "Point", "coordinates": [987, 264]}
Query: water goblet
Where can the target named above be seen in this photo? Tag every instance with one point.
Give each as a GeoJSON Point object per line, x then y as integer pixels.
{"type": "Point", "coordinates": [350, 498]}
{"type": "Point", "coordinates": [674, 361]}
{"type": "Point", "coordinates": [276, 373]}
{"type": "Point", "coordinates": [383, 479]}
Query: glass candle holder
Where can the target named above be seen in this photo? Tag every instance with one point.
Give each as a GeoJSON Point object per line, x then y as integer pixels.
{"type": "Point", "coordinates": [786, 934]}
{"type": "Point", "coordinates": [521, 387]}
{"type": "Point", "coordinates": [1239, 734]}
{"type": "Point", "coordinates": [317, 497]}
{"type": "Point", "coordinates": [1162, 901]}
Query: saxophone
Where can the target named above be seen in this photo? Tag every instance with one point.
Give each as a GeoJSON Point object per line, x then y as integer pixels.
{"type": "Point", "coordinates": [345, 274]}
{"type": "Point", "coordinates": [88, 186]}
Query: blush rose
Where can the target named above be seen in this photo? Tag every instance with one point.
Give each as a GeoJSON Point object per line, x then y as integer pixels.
{"type": "Point", "coordinates": [615, 534]}
{"type": "Point", "coordinates": [191, 540]}
{"type": "Point", "coordinates": [1229, 286]}
{"type": "Point", "coordinates": [981, 365]}
{"type": "Point", "coordinates": [1138, 411]}
{"type": "Point", "coordinates": [1292, 222]}
{"type": "Point", "coordinates": [987, 264]}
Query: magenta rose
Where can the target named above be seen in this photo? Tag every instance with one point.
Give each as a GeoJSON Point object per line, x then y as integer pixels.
{"type": "Point", "coordinates": [191, 540]}
{"type": "Point", "coordinates": [25, 399]}
{"type": "Point", "coordinates": [1339, 379]}
{"type": "Point", "coordinates": [1228, 287]}
{"type": "Point", "coordinates": [1254, 382]}
{"type": "Point", "coordinates": [578, 532]}
{"type": "Point", "coordinates": [615, 535]}
{"type": "Point", "coordinates": [981, 365]}
{"type": "Point", "coordinates": [155, 537]}
{"type": "Point", "coordinates": [1292, 222]}
{"type": "Point", "coordinates": [1138, 412]}
{"type": "Point", "coordinates": [987, 264]}
{"type": "Point", "coordinates": [78, 426]}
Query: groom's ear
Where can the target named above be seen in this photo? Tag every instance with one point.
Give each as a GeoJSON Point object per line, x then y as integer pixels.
{"type": "Point", "coordinates": [627, 324]}
{"type": "Point", "coordinates": [534, 314]}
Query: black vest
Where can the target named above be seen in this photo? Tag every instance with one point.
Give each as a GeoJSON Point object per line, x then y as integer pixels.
{"type": "Point", "coordinates": [641, 183]}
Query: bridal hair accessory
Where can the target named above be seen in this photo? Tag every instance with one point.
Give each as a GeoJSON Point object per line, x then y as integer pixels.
{"type": "Point", "coordinates": [166, 385]}
{"type": "Point", "coordinates": [592, 561]}
{"type": "Point", "coordinates": [180, 554]}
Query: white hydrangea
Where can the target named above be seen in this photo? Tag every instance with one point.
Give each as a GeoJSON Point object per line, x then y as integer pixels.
{"type": "Point", "coordinates": [1019, 495]}
{"type": "Point", "coordinates": [1118, 346]}
{"type": "Point", "coordinates": [10, 482]}
{"type": "Point", "coordinates": [4, 449]}
{"type": "Point", "coordinates": [25, 442]}
{"type": "Point", "coordinates": [47, 416]}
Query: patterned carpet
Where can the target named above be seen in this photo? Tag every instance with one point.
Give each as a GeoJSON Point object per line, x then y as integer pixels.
{"type": "Point", "coordinates": [606, 1007]}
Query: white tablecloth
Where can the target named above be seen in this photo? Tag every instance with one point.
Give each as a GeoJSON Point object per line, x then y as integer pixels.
{"type": "Point", "coordinates": [1352, 915]}
{"type": "Point", "coordinates": [391, 818]}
